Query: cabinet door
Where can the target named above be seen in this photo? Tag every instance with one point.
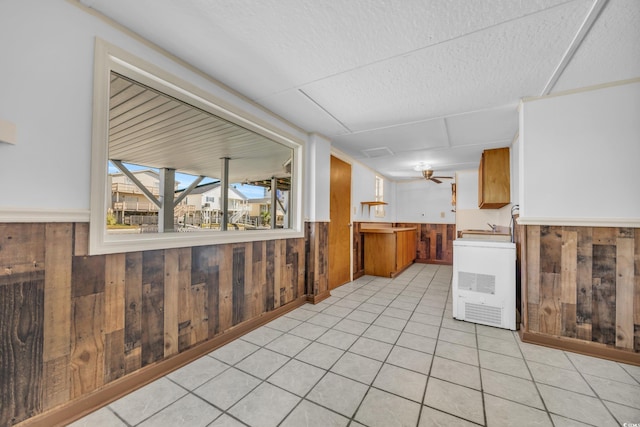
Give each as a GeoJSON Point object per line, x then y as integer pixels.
{"type": "Point", "coordinates": [494, 189]}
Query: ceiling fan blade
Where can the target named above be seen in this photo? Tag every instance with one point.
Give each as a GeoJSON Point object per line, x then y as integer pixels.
{"type": "Point", "coordinates": [435, 180]}
{"type": "Point", "coordinates": [443, 177]}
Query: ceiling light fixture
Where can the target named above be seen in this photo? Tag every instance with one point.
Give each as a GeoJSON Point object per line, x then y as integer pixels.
{"type": "Point", "coordinates": [421, 166]}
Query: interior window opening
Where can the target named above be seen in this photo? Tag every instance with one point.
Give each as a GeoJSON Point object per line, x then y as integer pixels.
{"type": "Point", "coordinates": [173, 167]}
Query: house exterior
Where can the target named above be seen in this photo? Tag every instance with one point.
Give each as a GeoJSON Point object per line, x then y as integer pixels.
{"type": "Point", "coordinates": [128, 200]}
{"type": "Point", "coordinates": [84, 327]}
{"type": "Point", "coordinates": [206, 199]}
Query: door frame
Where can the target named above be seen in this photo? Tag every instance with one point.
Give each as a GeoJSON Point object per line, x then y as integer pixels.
{"type": "Point", "coordinates": [341, 156]}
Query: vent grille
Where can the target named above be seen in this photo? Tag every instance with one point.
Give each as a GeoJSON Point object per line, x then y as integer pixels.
{"type": "Point", "coordinates": [483, 314]}
{"type": "Point", "coordinates": [484, 283]}
{"type": "Point", "coordinates": [377, 152]}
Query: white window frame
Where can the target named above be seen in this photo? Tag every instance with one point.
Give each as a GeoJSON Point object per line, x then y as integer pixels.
{"type": "Point", "coordinates": [110, 58]}
{"type": "Point", "coordinates": [379, 211]}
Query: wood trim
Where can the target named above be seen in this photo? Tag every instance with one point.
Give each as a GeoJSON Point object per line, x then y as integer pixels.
{"type": "Point", "coordinates": [582, 347]}
{"type": "Point", "coordinates": [88, 403]}
{"type": "Point", "coordinates": [581, 222]}
{"type": "Point", "coordinates": [43, 215]}
{"type": "Point", "coordinates": [358, 274]}
{"type": "Point", "coordinates": [432, 261]}
{"type": "Point", "coordinates": [314, 299]}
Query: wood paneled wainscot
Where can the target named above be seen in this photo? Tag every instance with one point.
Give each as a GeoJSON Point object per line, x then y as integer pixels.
{"type": "Point", "coordinates": [581, 289]}
{"type": "Point", "coordinates": [388, 250]}
{"type": "Point", "coordinates": [78, 331]}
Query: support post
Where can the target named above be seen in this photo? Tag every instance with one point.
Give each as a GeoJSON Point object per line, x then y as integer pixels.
{"type": "Point", "coordinates": [167, 190]}
{"type": "Point", "coordinates": [224, 193]}
{"type": "Point", "coordinates": [274, 201]}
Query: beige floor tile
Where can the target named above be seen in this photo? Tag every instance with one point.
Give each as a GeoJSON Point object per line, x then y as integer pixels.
{"type": "Point", "coordinates": [454, 399]}
{"type": "Point", "coordinates": [402, 382]}
{"type": "Point", "coordinates": [456, 372]}
{"type": "Point", "coordinates": [381, 409]}
{"type": "Point", "coordinates": [505, 413]}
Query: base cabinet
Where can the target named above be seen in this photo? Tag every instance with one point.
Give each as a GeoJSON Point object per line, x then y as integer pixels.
{"type": "Point", "coordinates": [388, 251]}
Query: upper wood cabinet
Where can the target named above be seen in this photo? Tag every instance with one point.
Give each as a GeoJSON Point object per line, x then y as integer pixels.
{"type": "Point", "coordinates": [494, 189]}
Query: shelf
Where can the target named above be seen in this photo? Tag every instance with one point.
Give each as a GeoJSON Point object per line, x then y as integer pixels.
{"type": "Point", "coordinates": [369, 204]}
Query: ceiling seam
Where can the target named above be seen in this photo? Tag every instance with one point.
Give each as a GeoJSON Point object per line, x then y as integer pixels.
{"type": "Point", "coordinates": [325, 110]}
{"type": "Point", "coordinates": [412, 51]}
{"type": "Point", "coordinates": [582, 33]}
{"type": "Point", "coordinates": [415, 122]}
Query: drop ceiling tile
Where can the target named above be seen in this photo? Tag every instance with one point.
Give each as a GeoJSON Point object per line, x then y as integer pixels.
{"type": "Point", "coordinates": [410, 137]}
{"type": "Point", "coordinates": [266, 46]}
{"type": "Point", "coordinates": [301, 111]}
{"type": "Point", "coordinates": [613, 39]}
{"type": "Point", "coordinates": [496, 66]}
{"type": "Point", "coordinates": [495, 125]}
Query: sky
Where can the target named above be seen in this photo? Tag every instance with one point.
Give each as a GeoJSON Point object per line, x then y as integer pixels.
{"type": "Point", "coordinates": [249, 191]}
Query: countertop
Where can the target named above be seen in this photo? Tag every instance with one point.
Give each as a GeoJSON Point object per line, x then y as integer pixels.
{"type": "Point", "coordinates": [387, 230]}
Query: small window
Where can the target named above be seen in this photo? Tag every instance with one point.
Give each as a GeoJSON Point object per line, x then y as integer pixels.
{"type": "Point", "coordinates": [379, 209]}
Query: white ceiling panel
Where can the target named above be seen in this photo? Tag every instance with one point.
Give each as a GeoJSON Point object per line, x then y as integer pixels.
{"type": "Point", "coordinates": [431, 81]}
{"type": "Point", "coordinates": [481, 127]}
{"type": "Point", "coordinates": [301, 110]}
{"type": "Point", "coordinates": [488, 68]}
{"type": "Point", "coordinates": [611, 50]}
{"type": "Point", "coordinates": [411, 137]}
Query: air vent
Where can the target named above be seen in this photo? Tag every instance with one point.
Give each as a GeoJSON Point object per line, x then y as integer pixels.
{"type": "Point", "coordinates": [377, 152]}
{"type": "Point", "coordinates": [483, 314]}
{"type": "Point", "coordinates": [484, 283]}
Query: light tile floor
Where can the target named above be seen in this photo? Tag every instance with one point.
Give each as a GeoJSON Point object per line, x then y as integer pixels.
{"type": "Point", "coordinates": [383, 352]}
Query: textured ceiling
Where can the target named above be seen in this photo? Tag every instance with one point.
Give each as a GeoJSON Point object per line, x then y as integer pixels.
{"type": "Point", "coordinates": [430, 81]}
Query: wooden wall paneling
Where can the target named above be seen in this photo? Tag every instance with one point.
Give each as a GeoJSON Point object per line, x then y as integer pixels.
{"type": "Point", "coordinates": [280, 273]}
{"type": "Point", "coordinates": [171, 301]}
{"type": "Point", "coordinates": [81, 238]}
{"type": "Point", "coordinates": [300, 250]}
{"type": "Point", "coordinates": [604, 235]}
{"type": "Point", "coordinates": [57, 314]}
{"type": "Point", "coordinates": [88, 275]}
{"type": "Point", "coordinates": [247, 305]}
{"type": "Point", "coordinates": [21, 248]}
{"type": "Point", "coordinates": [258, 284]}
{"type": "Point", "coordinates": [114, 360]}
{"type": "Point", "coordinates": [238, 279]}
{"type": "Point", "coordinates": [311, 262]}
{"type": "Point", "coordinates": [584, 278]}
{"type": "Point", "coordinates": [202, 319]}
{"type": "Point", "coordinates": [568, 279]}
{"type": "Point", "coordinates": [604, 293]}
{"type": "Point", "coordinates": [636, 298]}
{"type": "Point", "coordinates": [213, 296]}
{"type": "Point", "coordinates": [114, 316]}
{"type": "Point", "coordinates": [270, 275]}
{"type": "Point", "coordinates": [323, 258]}
{"type": "Point", "coordinates": [152, 306]}
{"type": "Point", "coordinates": [291, 254]}
{"type": "Point", "coordinates": [225, 286]}
{"type": "Point", "coordinates": [21, 341]}
{"type": "Point", "coordinates": [550, 308]}
{"type": "Point", "coordinates": [533, 270]}
{"type": "Point", "coordinates": [87, 345]}
{"type": "Point", "coordinates": [550, 249]}
{"type": "Point", "coordinates": [201, 328]}
{"type": "Point", "coordinates": [358, 254]}
{"type": "Point", "coordinates": [624, 289]}
{"type": "Point", "coordinates": [133, 312]}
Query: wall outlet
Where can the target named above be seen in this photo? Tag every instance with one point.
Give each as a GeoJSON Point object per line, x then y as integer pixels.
{"type": "Point", "coordinates": [441, 214]}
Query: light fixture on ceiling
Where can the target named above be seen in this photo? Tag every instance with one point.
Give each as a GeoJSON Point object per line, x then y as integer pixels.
{"type": "Point", "coordinates": [421, 166]}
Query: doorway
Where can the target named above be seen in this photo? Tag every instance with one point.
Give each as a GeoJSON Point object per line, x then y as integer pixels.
{"type": "Point", "coordinates": [340, 223]}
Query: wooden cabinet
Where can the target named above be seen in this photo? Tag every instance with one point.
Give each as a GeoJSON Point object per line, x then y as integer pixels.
{"type": "Point", "coordinates": [388, 251]}
{"type": "Point", "coordinates": [494, 189]}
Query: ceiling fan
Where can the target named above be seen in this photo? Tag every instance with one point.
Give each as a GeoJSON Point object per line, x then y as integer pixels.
{"type": "Point", "coordinates": [428, 175]}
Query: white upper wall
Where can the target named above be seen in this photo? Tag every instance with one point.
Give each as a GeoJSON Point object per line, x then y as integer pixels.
{"type": "Point", "coordinates": [47, 89]}
{"type": "Point", "coordinates": [422, 201]}
{"type": "Point", "coordinates": [579, 157]}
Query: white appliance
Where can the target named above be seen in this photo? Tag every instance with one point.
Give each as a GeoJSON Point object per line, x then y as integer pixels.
{"type": "Point", "coordinates": [484, 282]}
